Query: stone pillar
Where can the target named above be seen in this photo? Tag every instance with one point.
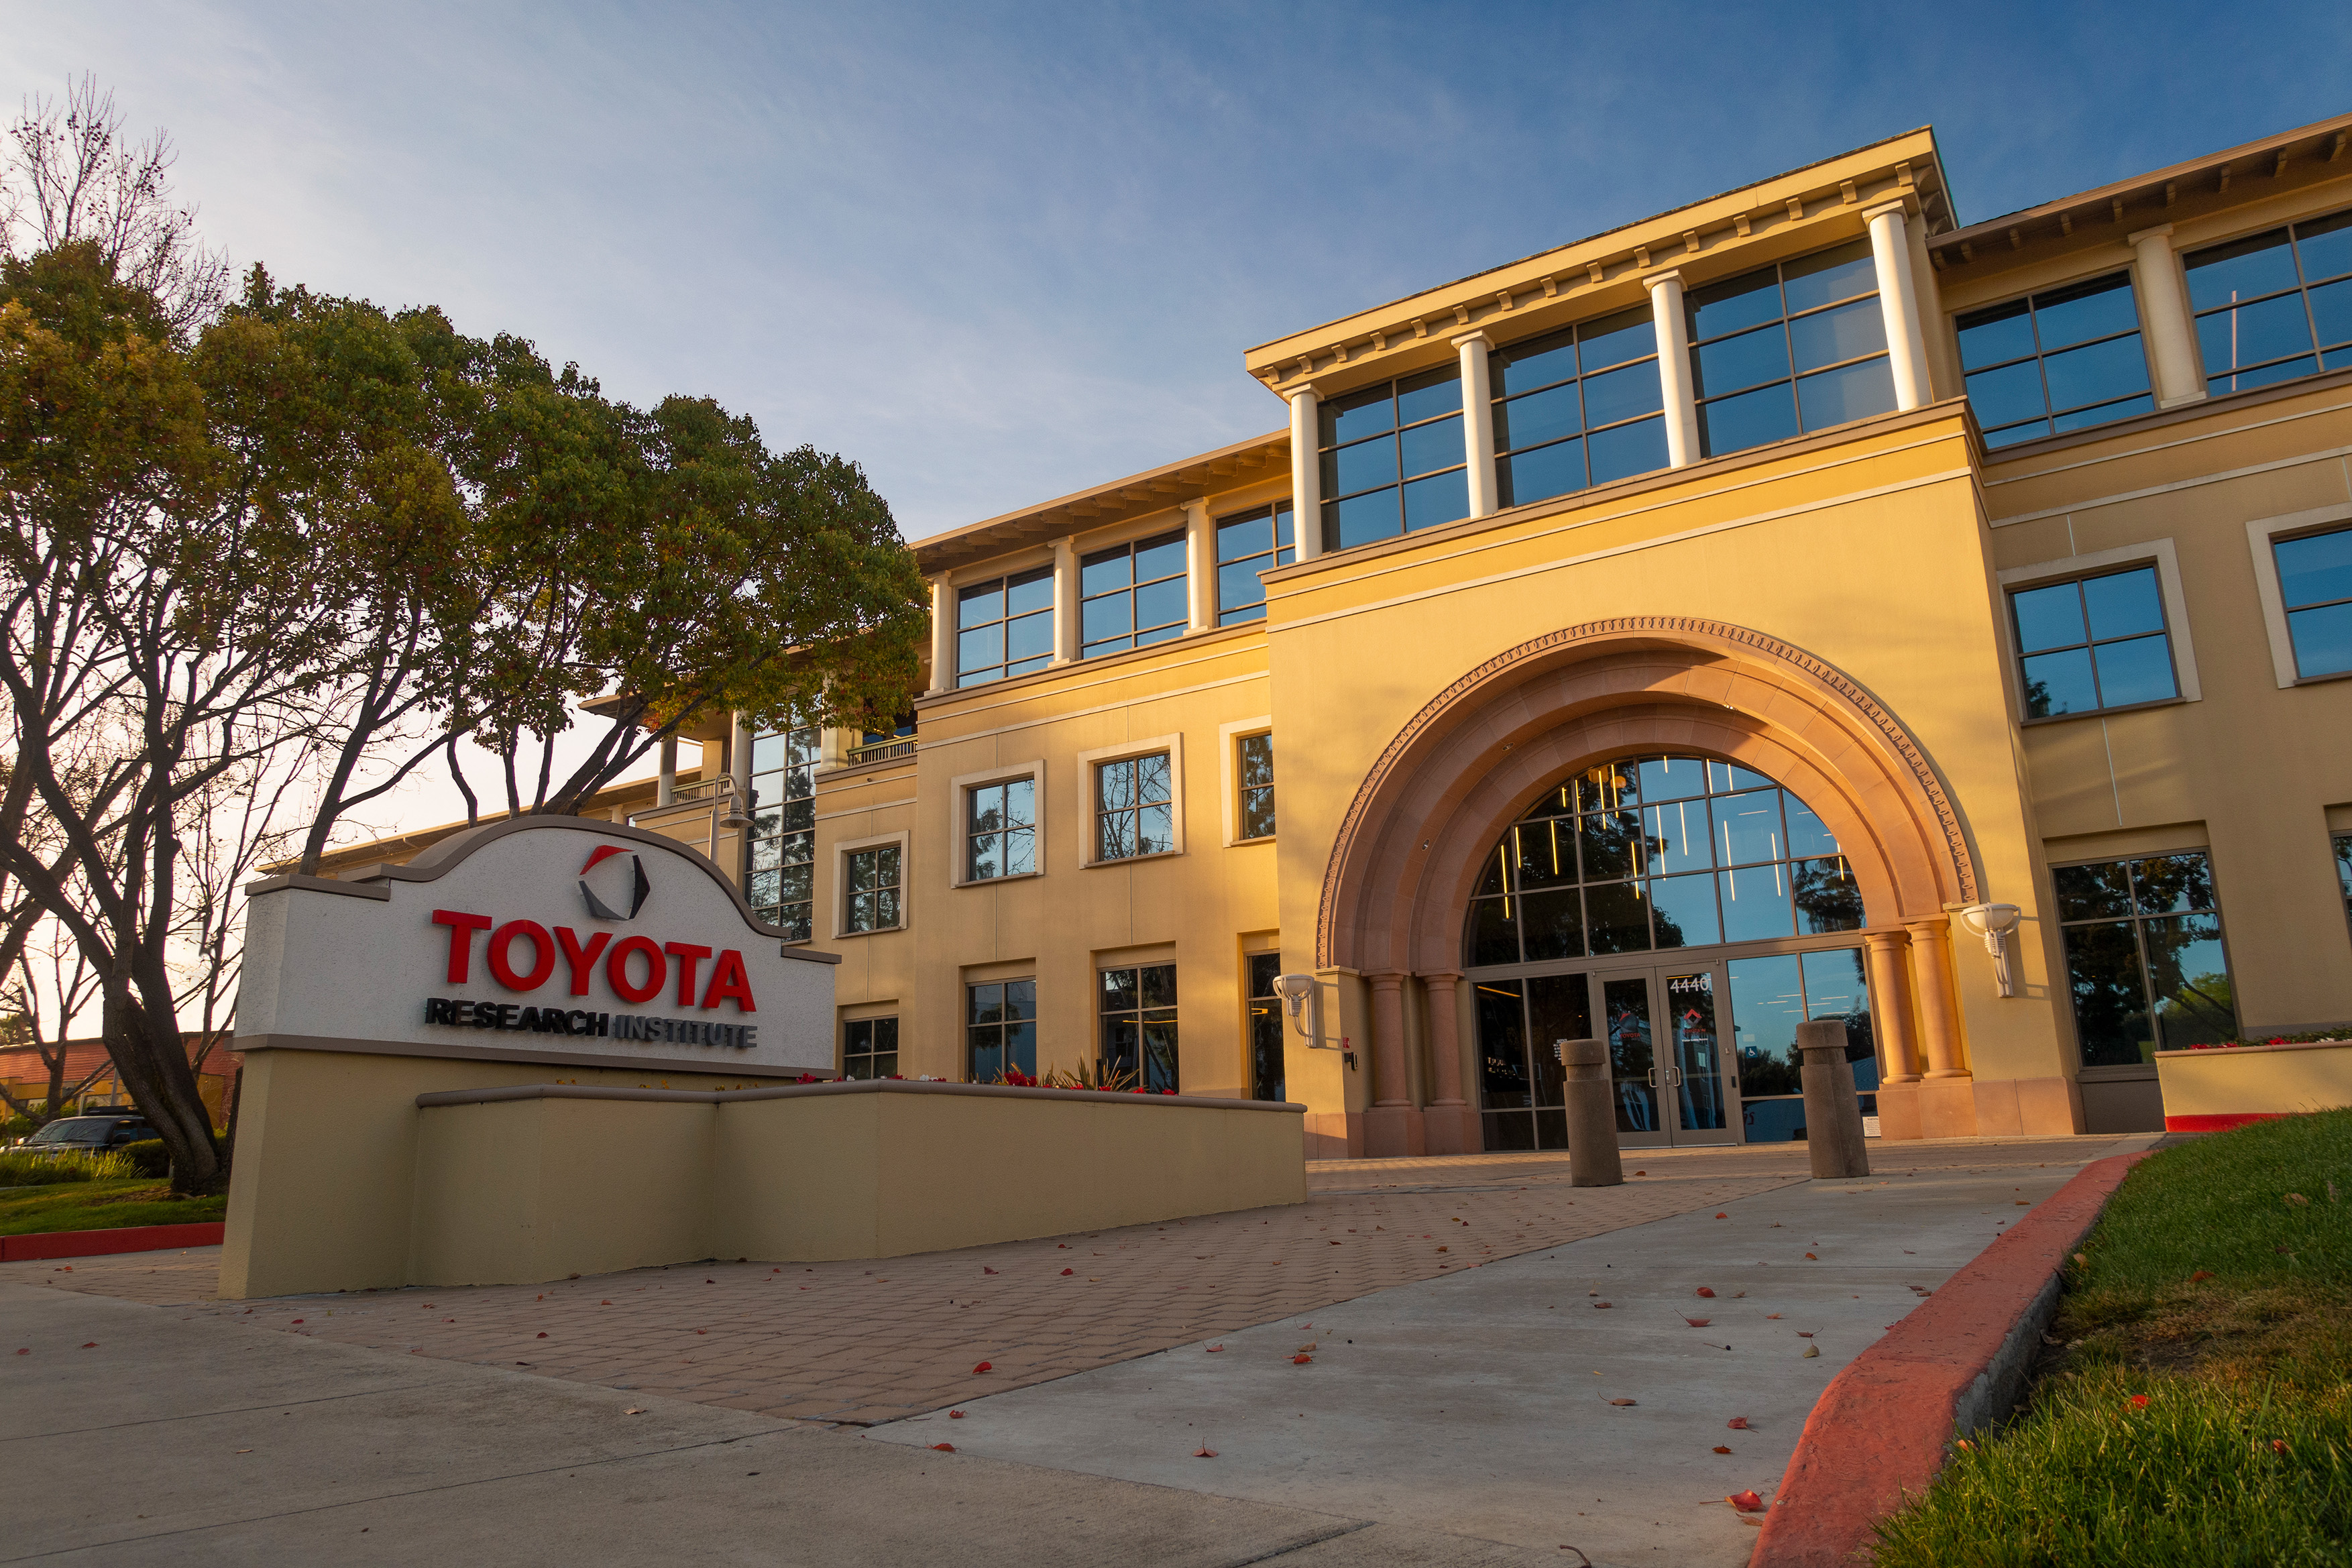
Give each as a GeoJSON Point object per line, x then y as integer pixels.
{"type": "Point", "coordinates": [1449, 1125]}
{"type": "Point", "coordinates": [1593, 1156]}
{"type": "Point", "coordinates": [1199, 565]}
{"type": "Point", "coordinates": [1832, 1112]}
{"type": "Point", "coordinates": [2164, 310]}
{"type": "Point", "coordinates": [1392, 1126]}
{"type": "Point", "coordinates": [1306, 474]}
{"type": "Point", "coordinates": [1907, 351]}
{"type": "Point", "coordinates": [665, 782]}
{"type": "Point", "coordinates": [1890, 1002]}
{"type": "Point", "coordinates": [1940, 1034]}
{"type": "Point", "coordinates": [1479, 421]}
{"type": "Point", "coordinates": [1675, 368]}
{"type": "Point", "coordinates": [1065, 600]}
{"type": "Point", "coordinates": [943, 637]}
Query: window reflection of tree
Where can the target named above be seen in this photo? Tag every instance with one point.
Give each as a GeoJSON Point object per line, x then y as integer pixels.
{"type": "Point", "coordinates": [1826, 895]}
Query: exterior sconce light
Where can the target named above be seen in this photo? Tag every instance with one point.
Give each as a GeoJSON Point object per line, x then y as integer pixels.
{"type": "Point", "coordinates": [737, 818]}
{"type": "Point", "coordinates": [1993, 922]}
{"type": "Point", "coordinates": [1302, 1000]}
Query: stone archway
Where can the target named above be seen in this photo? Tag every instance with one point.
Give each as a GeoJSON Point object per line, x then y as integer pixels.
{"type": "Point", "coordinates": [1409, 851]}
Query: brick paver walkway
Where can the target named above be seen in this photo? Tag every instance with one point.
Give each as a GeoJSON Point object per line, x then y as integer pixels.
{"type": "Point", "coordinates": [862, 1342]}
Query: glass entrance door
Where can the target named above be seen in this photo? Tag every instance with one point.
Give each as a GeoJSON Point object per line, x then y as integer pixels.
{"type": "Point", "coordinates": [1673, 1078]}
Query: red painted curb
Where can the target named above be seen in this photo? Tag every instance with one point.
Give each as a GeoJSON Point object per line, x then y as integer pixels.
{"type": "Point", "coordinates": [2218, 1121]}
{"type": "Point", "coordinates": [98, 1242]}
{"type": "Point", "coordinates": [1879, 1430]}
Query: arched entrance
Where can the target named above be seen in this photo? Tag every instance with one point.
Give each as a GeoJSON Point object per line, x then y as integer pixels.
{"type": "Point", "coordinates": [1415, 848]}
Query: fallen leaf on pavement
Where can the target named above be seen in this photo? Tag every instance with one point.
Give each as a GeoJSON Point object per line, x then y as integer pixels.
{"type": "Point", "coordinates": [955, 1414]}
{"type": "Point", "coordinates": [1300, 1360]}
{"type": "Point", "coordinates": [1600, 1303]}
{"type": "Point", "coordinates": [1746, 1502]}
{"type": "Point", "coordinates": [1698, 1322]}
{"type": "Point", "coordinates": [1215, 1348]}
{"type": "Point", "coordinates": [1069, 1271]}
{"type": "Point", "coordinates": [1770, 1316]}
{"type": "Point", "coordinates": [1812, 1351]}
{"type": "Point", "coordinates": [1621, 1401]}
{"type": "Point", "coordinates": [1723, 1217]}
{"type": "Point", "coordinates": [1721, 1449]}
{"type": "Point", "coordinates": [943, 1447]}
{"type": "Point", "coordinates": [1204, 1453]}
{"type": "Point", "coordinates": [1703, 1290]}
{"type": "Point", "coordinates": [91, 1346]}
{"type": "Point", "coordinates": [1814, 1257]}
{"type": "Point", "coordinates": [984, 1366]}
{"type": "Point", "coordinates": [1738, 1423]}
{"type": "Point", "coordinates": [985, 1270]}
{"type": "Point", "coordinates": [633, 1410]}
{"type": "Point", "coordinates": [1306, 1347]}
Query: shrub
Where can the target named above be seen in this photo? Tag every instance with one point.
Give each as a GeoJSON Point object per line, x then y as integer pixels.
{"type": "Point", "coordinates": [18, 1168]}
{"type": "Point", "coordinates": [148, 1158]}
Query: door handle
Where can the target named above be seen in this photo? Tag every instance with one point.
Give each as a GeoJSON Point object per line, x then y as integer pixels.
{"type": "Point", "coordinates": [1653, 1078]}
{"type": "Point", "coordinates": [1674, 1077]}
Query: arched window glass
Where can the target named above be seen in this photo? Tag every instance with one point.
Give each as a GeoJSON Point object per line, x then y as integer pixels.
{"type": "Point", "coordinates": [1658, 852]}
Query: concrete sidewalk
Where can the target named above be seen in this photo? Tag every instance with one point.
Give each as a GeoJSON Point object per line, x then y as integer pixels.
{"type": "Point", "coordinates": [1464, 1426]}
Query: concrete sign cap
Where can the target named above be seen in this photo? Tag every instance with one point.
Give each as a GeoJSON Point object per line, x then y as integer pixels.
{"type": "Point", "coordinates": [542, 940]}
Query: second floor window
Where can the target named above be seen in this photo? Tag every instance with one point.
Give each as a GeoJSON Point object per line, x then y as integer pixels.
{"type": "Point", "coordinates": [1132, 596]}
{"type": "Point", "coordinates": [2315, 581]}
{"type": "Point", "coordinates": [1135, 812]}
{"type": "Point", "coordinates": [1001, 830]}
{"type": "Point", "coordinates": [2098, 642]}
{"type": "Point", "coordinates": [1249, 543]}
{"type": "Point", "coordinates": [2273, 306]}
{"type": "Point", "coordinates": [1005, 627]}
{"type": "Point", "coordinates": [872, 898]}
{"type": "Point", "coordinates": [783, 828]}
{"type": "Point", "coordinates": [2056, 360]}
{"type": "Point", "coordinates": [1577, 409]}
{"type": "Point", "coordinates": [1792, 348]}
{"type": "Point", "coordinates": [1394, 459]}
{"type": "Point", "coordinates": [1253, 765]}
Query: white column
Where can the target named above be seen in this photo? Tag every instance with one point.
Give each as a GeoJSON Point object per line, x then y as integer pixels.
{"type": "Point", "coordinates": [1199, 565]}
{"type": "Point", "coordinates": [1479, 421]}
{"type": "Point", "coordinates": [1305, 476]}
{"type": "Point", "coordinates": [1674, 368]}
{"type": "Point", "coordinates": [1065, 600]}
{"type": "Point", "coordinates": [1906, 351]}
{"type": "Point", "coordinates": [943, 637]}
{"type": "Point", "coordinates": [665, 782]}
{"type": "Point", "coordinates": [2164, 307]}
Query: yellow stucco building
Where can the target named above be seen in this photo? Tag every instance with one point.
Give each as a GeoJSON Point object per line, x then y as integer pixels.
{"type": "Point", "coordinates": [1717, 623]}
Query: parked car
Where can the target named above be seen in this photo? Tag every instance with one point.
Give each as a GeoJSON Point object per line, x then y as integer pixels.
{"type": "Point", "coordinates": [87, 1134]}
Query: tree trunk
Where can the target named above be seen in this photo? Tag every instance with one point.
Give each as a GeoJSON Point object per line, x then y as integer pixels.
{"type": "Point", "coordinates": [153, 1063]}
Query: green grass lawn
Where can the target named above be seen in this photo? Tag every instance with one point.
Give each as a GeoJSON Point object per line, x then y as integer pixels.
{"type": "Point", "coordinates": [2197, 1406]}
{"type": "Point", "coordinates": [100, 1206]}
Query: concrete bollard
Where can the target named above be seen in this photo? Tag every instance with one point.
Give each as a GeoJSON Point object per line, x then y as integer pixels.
{"type": "Point", "coordinates": [1591, 1115]}
{"type": "Point", "coordinates": [1832, 1109]}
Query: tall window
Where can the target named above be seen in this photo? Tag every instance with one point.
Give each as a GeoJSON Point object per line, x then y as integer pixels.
{"type": "Point", "coordinates": [2144, 957]}
{"type": "Point", "coordinates": [1132, 596]}
{"type": "Point", "coordinates": [999, 830]}
{"type": "Point", "coordinates": [2098, 642]}
{"type": "Point", "coordinates": [2273, 306]}
{"type": "Point", "coordinates": [1254, 766]}
{"type": "Point", "coordinates": [1135, 812]}
{"type": "Point", "coordinates": [2343, 845]}
{"type": "Point", "coordinates": [1394, 459]}
{"type": "Point", "coordinates": [1000, 1030]}
{"type": "Point", "coordinates": [1797, 347]}
{"type": "Point", "coordinates": [1139, 1026]}
{"type": "Point", "coordinates": [1579, 407]}
{"type": "Point", "coordinates": [1249, 543]}
{"type": "Point", "coordinates": [869, 1048]}
{"type": "Point", "coordinates": [872, 893]}
{"type": "Point", "coordinates": [1661, 852]}
{"type": "Point", "coordinates": [1266, 1025]}
{"type": "Point", "coordinates": [1771, 995]}
{"type": "Point", "coordinates": [2056, 362]}
{"type": "Point", "coordinates": [2315, 581]}
{"type": "Point", "coordinates": [783, 828]}
{"type": "Point", "coordinates": [1005, 627]}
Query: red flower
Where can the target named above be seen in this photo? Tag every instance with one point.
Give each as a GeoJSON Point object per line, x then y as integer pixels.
{"type": "Point", "coordinates": [984, 1366]}
{"type": "Point", "coordinates": [1069, 1271]}
{"type": "Point", "coordinates": [2139, 1402]}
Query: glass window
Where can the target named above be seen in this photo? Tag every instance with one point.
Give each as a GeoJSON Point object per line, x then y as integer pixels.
{"type": "Point", "coordinates": [870, 899]}
{"type": "Point", "coordinates": [1138, 1028]}
{"type": "Point", "coordinates": [2056, 360]}
{"type": "Point", "coordinates": [1135, 812]}
{"type": "Point", "coordinates": [999, 830]}
{"type": "Point", "coordinates": [2144, 957]}
{"type": "Point", "coordinates": [1797, 347]}
{"type": "Point", "coordinates": [2098, 642]}
{"type": "Point", "coordinates": [1000, 1030]}
{"type": "Point", "coordinates": [1005, 627]}
{"type": "Point", "coordinates": [2342, 844]}
{"type": "Point", "coordinates": [1266, 1026]}
{"type": "Point", "coordinates": [2315, 581]}
{"type": "Point", "coordinates": [1253, 813]}
{"type": "Point", "coordinates": [2273, 306]}
{"type": "Point", "coordinates": [1249, 543]}
{"type": "Point", "coordinates": [1659, 852]}
{"type": "Point", "coordinates": [1521, 1084]}
{"type": "Point", "coordinates": [1579, 407]}
{"type": "Point", "coordinates": [1132, 596]}
{"type": "Point", "coordinates": [1393, 459]}
{"type": "Point", "coordinates": [1769, 997]}
{"type": "Point", "coordinates": [780, 884]}
{"type": "Point", "coordinates": [869, 1048]}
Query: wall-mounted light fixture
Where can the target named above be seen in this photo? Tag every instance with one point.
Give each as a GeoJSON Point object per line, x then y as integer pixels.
{"type": "Point", "coordinates": [1302, 999]}
{"type": "Point", "coordinates": [1994, 923]}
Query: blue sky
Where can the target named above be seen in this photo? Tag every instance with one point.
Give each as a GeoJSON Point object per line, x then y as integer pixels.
{"type": "Point", "coordinates": [997, 252]}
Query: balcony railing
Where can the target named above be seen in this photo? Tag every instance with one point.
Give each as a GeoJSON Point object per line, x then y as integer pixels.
{"type": "Point", "coordinates": [881, 751]}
